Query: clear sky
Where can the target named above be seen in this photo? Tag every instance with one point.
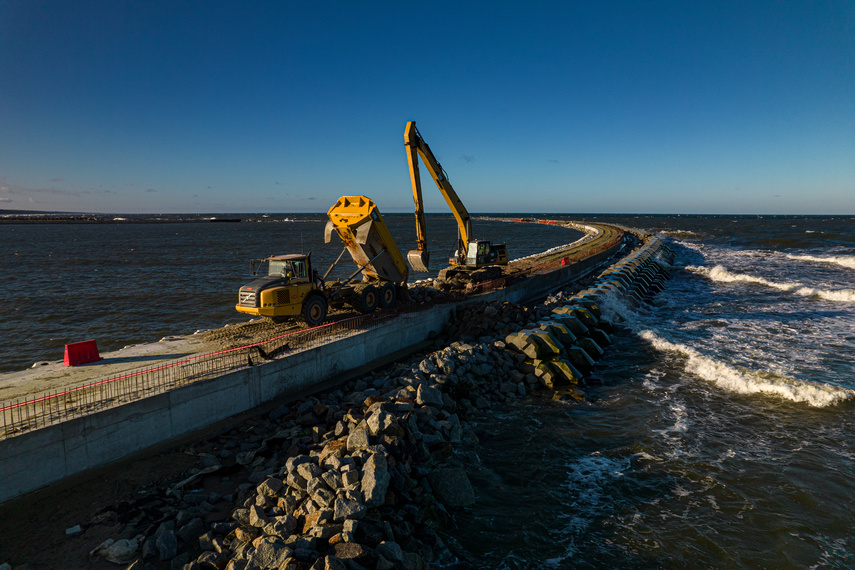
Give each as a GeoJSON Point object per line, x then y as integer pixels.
{"type": "Point", "coordinates": [579, 107]}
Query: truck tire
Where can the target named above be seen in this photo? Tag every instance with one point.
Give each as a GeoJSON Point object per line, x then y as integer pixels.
{"type": "Point", "coordinates": [388, 295]}
{"type": "Point", "coordinates": [314, 310]}
{"type": "Point", "coordinates": [367, 299]}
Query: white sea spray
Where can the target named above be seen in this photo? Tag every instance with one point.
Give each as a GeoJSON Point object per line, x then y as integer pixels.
{"type": "Point", "coordinates": [744, 381]}
{"type": "Point", "coordinates": [847, 261]}
{"type": "Point", "coordinates": [720, 274]}
{"type": "Point", "coordinates": [842, 295]}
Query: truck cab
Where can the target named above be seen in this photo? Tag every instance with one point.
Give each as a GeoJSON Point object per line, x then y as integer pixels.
{"type": "Point", "coordinates": [280, 294]}
{"type": "Point", "coordinates": [293, 267]}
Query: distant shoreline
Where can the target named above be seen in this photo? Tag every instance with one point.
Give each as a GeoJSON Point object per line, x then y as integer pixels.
{"type": "Point", "coordinates": [88, 219]}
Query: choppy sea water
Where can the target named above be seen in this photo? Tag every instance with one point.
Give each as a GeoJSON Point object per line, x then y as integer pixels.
{"type": "Point", "coordinates": [723, 433]}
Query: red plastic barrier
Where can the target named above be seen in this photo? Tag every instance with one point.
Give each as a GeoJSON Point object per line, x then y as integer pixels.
{"type": "Point", "coordinates": [83, 352]}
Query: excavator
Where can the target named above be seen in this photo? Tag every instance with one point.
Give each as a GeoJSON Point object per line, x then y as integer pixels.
{"type": "Point", "coordinates": [471, 253]}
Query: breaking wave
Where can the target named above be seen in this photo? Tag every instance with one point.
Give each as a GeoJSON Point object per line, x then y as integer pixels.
{"type": "Point", "coordinates": [847, 261]}
{"type": "Point", "coordinates": [743, 381]}
{"type": "Point", "coordinates": [844, 295]}
{"type": "Point", "coordinates": [722, 275]}
{"type": "Point", "coordinates": [686, 234]}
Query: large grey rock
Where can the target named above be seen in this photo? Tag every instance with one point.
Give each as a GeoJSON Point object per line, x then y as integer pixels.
{"type": "Point", "coordinates": [375, 480]}
{"type": "Point", "coordinates": [332, 479]}
{"type": "Point", "coordinates": [381, 422]}
{"type": "Point", "coordinates": [347, 509]}
{"type": "Point", "coordinates": [323, 497]}
{"type": "Point", "coordinates": [351, 551]}
{"type": "Point", "coordinates": [167, 545]}
{"type": "Point", "coordinates": [271, 552]}
{"type": "Point", "coordinates": [451, 487]}
{"type": "Point", "coordinates": [149, 548]}
{"type": "Point", "coordinates": [446, 363]}
{"type": "Point", "coordinates": [257, 518]}
{"type": "Point", "coordinates": [308, 471]}
{"type": "Point", "coordinates": [391, 551]}
{"type": "Point", "coordinates": [350, 478]}
{"type": "Point", "coordinates": [284, 525]}
{"type": "Point", "coordinates": [190, 532]}
{"type": "Point", "coordinates": [358, 439]}
{"type": "Point", "coordinates": [270, 488]}
{"type": "Point", "coordinates": [428, 395]}
{"type": "Point", "coordinates": [296, 481]}
{"type": "Point", "coordinates": [428, 367]}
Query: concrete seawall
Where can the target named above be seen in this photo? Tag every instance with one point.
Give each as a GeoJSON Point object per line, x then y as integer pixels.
{"type": "Point", "coordinates": [47, 455]}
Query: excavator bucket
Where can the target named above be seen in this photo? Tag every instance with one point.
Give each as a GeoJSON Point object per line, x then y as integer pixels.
{"type": "Point", "coordinates": [418, 259]}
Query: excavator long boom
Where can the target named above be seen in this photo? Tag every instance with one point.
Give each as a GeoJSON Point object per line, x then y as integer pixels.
{"type": "Point", "coordinates": [416, 146]}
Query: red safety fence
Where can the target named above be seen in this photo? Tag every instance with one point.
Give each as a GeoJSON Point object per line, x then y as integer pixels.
{"type": "Point", "coordinates": [26, 414]}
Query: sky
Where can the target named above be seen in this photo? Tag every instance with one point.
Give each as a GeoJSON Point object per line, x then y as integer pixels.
{"type": "Point", "coordinates": [699, 107]}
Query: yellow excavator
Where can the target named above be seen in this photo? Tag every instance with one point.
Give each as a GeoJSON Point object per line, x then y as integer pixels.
{"type": "Point", "coordinates": [292, 288]}
{"type": "Point", "coordinates": [471, 253]}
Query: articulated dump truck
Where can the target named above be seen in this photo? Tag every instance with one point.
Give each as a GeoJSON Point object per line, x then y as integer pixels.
{"type": "Point", "coordinates": [293, 288]}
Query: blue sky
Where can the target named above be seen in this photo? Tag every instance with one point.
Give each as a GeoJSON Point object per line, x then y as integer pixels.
{"type": "Point", "coordinates": [576, 107]}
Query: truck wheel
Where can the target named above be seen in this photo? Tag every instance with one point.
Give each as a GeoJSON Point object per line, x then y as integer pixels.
{"type": "Point", "coordinates": [388, 295]}
{"type": "Point", "coordinates": [314, 310]}
{"type": "Point", "coordinates": [367, 299]}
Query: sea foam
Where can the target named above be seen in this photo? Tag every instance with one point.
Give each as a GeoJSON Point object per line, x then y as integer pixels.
{"type": "Point", "coordinates": [743, 381]}
{"type": "Point", "coordinates": [843, 295]}
{"type": "Point", "coordinates": [847, 261]}
{"type": "Point", "coordinates": [722, 275]}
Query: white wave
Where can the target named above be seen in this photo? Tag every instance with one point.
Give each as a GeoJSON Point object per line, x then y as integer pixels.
{"type": "Point", "coordinates": [847, 261]}
{"type": "Point", "coordinates": [722, 275]}
{"type": "Point", "coordinates": [680, 233]}
{"type": "Point", "coordinates": [744, 381]}
{"type": "Point", "coordinates": [689, 245]}
{"type": "Point", "coordinates": [843, 295]}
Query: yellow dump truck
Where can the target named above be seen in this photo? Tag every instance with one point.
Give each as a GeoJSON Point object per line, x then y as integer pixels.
{"type": "Point", "coordinates": [293, 288]}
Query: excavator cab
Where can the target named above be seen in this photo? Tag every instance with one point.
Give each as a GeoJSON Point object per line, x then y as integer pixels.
{"type": "Point", "coordinates": [483, 252]}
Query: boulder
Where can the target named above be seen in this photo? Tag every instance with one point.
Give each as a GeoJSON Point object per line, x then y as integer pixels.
{"type": "Point", "coordinates": [375, 480]}
{"type": "Point", "coordinates": [428, 396]}
{"type": "Point", "coordinates": [270, 487]}
{"type": "Point", "coordinates": [451, 487]}
{"type": "Point", "coordinates": [271, 552]}
{"type": "Point", "coordinates": [167, 545]}
{"type": "Point", "coordinates": [348, 509]}
{"type": "Point", "coordinates": [358, 439]}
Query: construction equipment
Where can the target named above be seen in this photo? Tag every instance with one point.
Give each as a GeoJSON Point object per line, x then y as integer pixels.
{"type": "Point", "coordinates": [291, 287]}
{"type": "Point", "coordinates": [471, 253]}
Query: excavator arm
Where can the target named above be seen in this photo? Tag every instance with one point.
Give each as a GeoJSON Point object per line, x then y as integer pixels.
{"type": "Point", "coordinates": [416, 146]}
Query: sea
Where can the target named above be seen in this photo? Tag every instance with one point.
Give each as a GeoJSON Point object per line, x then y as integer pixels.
{"type": "Point", "coordinates": [721, 434]}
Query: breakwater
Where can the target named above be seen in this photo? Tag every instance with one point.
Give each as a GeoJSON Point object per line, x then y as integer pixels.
{"type": "Point", "coordinates": [366, 472]}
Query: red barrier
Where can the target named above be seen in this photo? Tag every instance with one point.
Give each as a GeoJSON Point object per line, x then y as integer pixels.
{"type": "Point", "coordinates": [83, 352]}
